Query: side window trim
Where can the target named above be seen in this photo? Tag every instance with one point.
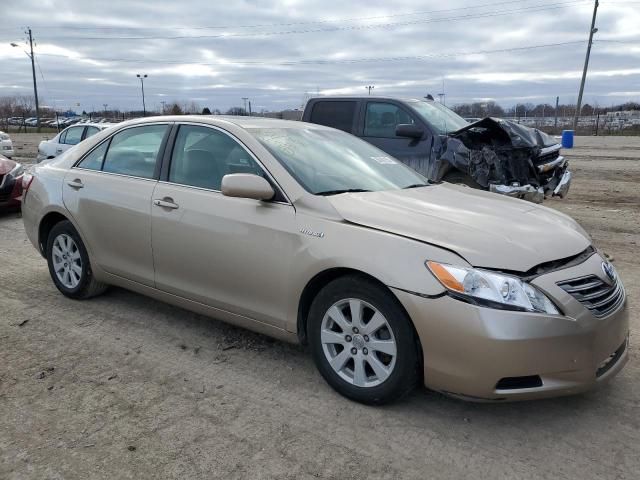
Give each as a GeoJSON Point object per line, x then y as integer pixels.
{"type": "Point", "coordinates": [164, 177]}
{"type": "Point", "coordinates": [383, 102]}
{"type": "Point", "coordinates": [168, 153]}
{"type": "Point", "coordinates": [159, 157]}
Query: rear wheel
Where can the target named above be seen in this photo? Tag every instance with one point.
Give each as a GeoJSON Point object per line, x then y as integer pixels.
{"type": "Point", "coordinates": [69, 265]}
{"type": "Point", "coordinates": [362, 341]}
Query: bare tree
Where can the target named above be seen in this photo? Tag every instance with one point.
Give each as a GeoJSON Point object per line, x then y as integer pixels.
{"type": "Point", "coordinates": [175, 109]}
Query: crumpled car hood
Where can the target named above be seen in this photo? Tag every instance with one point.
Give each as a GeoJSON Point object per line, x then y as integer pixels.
{"type": "Point", "coordinates": [486, 229]}
{"type": "Point", "coordinates": [520, 136]}
{"type": "Point", "coordinates": [493, 150]}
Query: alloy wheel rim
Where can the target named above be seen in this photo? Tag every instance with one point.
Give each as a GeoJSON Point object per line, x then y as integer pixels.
{"type": "Point", "coordinates": [67, 262]}
{"type": "Point", "coordinates": [358, 342]}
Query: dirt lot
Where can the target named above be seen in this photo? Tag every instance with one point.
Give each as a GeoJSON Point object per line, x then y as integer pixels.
{"type": "Point", "coordinates": [125, 387]}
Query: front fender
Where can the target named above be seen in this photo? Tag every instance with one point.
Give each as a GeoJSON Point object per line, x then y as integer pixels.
{"type": "Point", "coordinates": [397, 262]}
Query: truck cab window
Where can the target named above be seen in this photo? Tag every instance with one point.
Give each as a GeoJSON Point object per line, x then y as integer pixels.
{"type": "Point", "coordinates": [336, 114]}
{"type": "Point", "coordinates": [381, 119]}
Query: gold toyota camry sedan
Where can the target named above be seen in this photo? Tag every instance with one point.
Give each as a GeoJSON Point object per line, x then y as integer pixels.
{"type": "Point", "coordinates": [308, 234]}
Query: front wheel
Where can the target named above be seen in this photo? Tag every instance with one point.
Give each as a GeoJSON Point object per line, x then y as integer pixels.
{"type": "Point", "coordinates": [362, 341]}
{"type": "Point", "coordinates": [69, 265]}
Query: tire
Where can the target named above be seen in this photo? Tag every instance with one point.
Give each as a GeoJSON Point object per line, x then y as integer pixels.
{"type": "Point", "coordinates": [460, 178]}
{"type": "Point", "coordinates": [387, 371]}
{"type": "Point", "coordinates": [80, 283]}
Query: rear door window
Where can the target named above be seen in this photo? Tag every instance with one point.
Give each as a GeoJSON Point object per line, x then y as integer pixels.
{"type": "Point", "coordinates": [134, 151]}
{"type": "Point", "coordinates": [73, 136]}
{"type": "Point", "coordinates": [91, 131]}
{"type": "Point", "coordinates": [336, 114]}
{"type": "Point", "coordinates": [93, 161]}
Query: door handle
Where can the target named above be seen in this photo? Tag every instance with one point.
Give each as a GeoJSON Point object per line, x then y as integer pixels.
{"type": "Point", "coordinates": [165, 203]}
{"type": "Point", "coordinates": [58, 150]}
{"type": "Point", "coordinates": [77, 184]}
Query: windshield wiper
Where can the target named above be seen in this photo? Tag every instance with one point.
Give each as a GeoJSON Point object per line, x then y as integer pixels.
{"type": "Point", "coordinates": [416, 185]}
{"type": "Point", "coordinates": [344, 190]}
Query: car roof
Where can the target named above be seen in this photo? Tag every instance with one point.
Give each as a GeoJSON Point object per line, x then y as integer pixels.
{"type": "Point", "coordinates": [370, 97]}
{"type": "Point", "coordinates": [244, 122]}
{"type": "Point", "coordinates": [91, 124]}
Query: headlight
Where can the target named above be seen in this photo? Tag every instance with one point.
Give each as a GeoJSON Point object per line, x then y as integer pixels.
{"type": "Point", "coordinates": [491, 288]}
{"type": "Point", "coordinates": [17, 171]}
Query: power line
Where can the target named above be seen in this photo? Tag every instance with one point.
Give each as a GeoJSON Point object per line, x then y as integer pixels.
{"type": "Point", "coordinates": [618, 41]}
{"type": "Point", "coordinates": [289, 24]}
{"type": "Point", "coordinates": [537, 8]}
{"type": "Point", "coordinates": [326, 61]}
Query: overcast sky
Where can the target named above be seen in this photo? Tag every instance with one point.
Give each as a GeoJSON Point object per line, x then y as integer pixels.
{"type": "Point", "coordinates": [278, 52]}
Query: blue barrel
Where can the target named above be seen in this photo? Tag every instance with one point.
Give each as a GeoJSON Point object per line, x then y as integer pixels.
{"type": "Point", "coordinates": [567, 138]}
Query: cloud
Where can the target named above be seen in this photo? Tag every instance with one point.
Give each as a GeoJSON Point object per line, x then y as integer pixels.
{"type": "Point", "coordinates": [277, 52]}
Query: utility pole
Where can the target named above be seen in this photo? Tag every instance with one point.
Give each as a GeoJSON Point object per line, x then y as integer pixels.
{"type": "Point", "coordinates": [33, 73]}
{"type": "Point", "coordinates": [164, 103]}
{"type": "Point", "coordinates": [105, 105]}
{"type": "Point", "coordinates": [370, 87]}
{"type": "Point", "coordinates": [35, 86]}
{"type": "Point", "coordinates": [144, 107]}
{"type": "Point", "coordinates": [586, 64]}
{"type": "Point", "coordinates": [555, 125]}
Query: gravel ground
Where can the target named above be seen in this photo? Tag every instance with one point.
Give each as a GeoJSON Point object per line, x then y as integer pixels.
{"type": "Point", "coordinates": [122, 386]}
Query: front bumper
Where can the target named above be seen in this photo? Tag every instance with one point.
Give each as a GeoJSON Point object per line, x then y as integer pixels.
{"type": "Point", "coordinates": [556, 182]}
{"type": "Point", "coordinates": [470, 351]}
{"type": "Point", "coordinates": [563, 186]}
{"type": "Point", "coordinates": [525, 192]}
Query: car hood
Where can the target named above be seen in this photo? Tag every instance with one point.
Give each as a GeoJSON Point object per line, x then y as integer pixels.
{"type": "Point", "coordinates": [520, 136]}
{"type": "Point", "coordinates": [486, 229]}
{"type": "Point", "coordinates": [6, 165]}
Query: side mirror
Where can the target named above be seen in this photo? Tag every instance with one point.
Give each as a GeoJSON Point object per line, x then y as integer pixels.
{"type": "Point", "coordinates": [409, 130]}
{"type": "Point", "coordinates": [246, 185]}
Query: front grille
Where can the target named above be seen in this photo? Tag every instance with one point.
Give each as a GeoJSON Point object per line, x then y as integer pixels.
{"type": "Point", "coordinates": [549, 157]}
{"type": "Point", "coordinates": [598, 297]}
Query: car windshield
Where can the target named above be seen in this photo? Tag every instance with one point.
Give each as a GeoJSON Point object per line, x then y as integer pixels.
{"type": "Point", "coordinates": [329, 162]}
{"type": "Point", "coordinates": [438, 116]}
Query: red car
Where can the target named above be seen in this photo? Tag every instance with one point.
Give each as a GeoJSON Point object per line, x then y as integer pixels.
{"type": "Point", "coordinates": [11, 176]}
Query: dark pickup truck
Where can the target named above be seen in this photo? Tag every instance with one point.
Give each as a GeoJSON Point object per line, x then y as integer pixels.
{"type": "Point", "coordinates": [493, 154]}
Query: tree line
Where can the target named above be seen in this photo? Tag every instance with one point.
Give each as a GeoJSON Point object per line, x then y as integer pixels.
{"type": "Point", "coordinates": [24, 106]}
{"type": "Point", "coordinates": [520, 110]}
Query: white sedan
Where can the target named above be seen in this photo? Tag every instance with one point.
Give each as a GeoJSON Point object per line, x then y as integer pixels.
{"type": "Point", "coordinates": [6, 147]}
{"type": "Point", "coordinates": [67, 138]}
